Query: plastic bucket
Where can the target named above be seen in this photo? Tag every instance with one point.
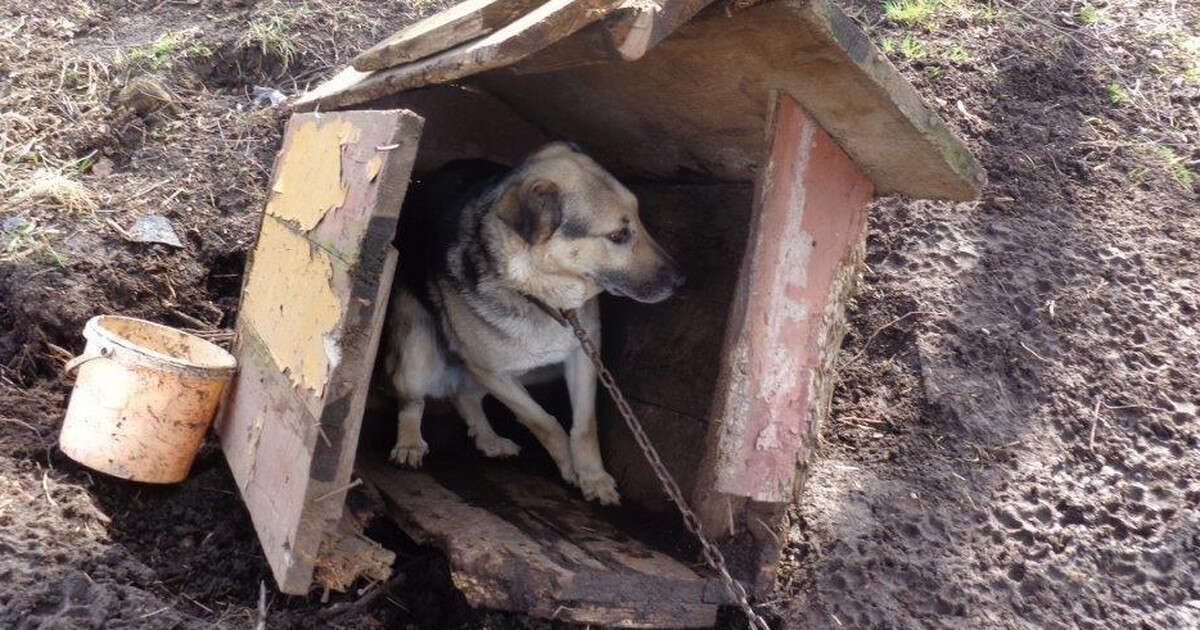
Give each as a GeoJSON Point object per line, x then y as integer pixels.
{"type": "Point", "coordinates": [143, 399]}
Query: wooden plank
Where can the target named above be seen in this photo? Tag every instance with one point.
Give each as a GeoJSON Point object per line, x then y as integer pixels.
{"type": "Point", "coordinates": [461, 22]}
{"type": "Point", "coordinates": [626, 35]}
{"type": "Point", "coordinates": [544, 25]}
{"type": "Point", "coordinates": [516, 541]}
{"type": "Point", "coordinates": [312, 310]}
{"type": "Point", "coordinates": [786, 321]}
{"type": "Point", "coordinates": [696, 105]}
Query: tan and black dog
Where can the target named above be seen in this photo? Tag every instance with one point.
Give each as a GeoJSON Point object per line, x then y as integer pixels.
{"type": "Point", "coordinates": [481, 245]}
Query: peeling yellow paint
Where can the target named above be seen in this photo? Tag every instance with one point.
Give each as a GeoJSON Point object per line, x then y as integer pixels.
{"type": "Point", "coordinates": [290, 303]}
{"type": "Point", "coordinates": [373, 167]}
{"type": "Point", "coordinates": [309, 182]}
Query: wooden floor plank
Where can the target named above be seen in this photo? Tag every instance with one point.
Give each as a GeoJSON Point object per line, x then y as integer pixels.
{"type": "Point", "coordinates": [516, 541]}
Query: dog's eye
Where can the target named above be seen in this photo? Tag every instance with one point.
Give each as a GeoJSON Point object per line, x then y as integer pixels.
{"type": "Point", "coordinates": [621, 236]}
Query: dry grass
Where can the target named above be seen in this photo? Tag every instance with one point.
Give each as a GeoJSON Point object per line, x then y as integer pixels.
{"type": "Point", "coordinates": [59, 190]}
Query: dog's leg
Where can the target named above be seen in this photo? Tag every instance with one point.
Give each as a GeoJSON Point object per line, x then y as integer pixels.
{"type": "Point", "coordinates": [470, 407]}
{"type": "Point", "coordinates": [543, 425]}
{"type": "Point", "coordinates": [594, 481]}
{"type": "Point", "coordinates": [410, 446]}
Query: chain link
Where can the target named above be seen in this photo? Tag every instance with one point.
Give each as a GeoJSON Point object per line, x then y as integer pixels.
{"type": "Point", "coordinates": [712, 555]}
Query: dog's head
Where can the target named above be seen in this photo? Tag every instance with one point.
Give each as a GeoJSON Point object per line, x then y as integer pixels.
{"type": "Point", "coordinates": [578, 224]}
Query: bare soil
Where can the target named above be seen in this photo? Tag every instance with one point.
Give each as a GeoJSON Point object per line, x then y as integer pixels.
{"type": "Point", "coordinates": [1014, 436]}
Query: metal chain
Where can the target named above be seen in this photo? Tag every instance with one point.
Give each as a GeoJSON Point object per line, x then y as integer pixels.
{"type": "Point", "coordinates": [712, 555]}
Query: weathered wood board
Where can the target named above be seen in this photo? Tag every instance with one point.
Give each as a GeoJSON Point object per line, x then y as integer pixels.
{"type": "Point", "coordinates": [517, 541]}
{"type": "Point", "coordinates": [625, 35]}
{"type": "Point", "coordinates": [695, 106]}
{"type": "Point", "coordinates": [531, 32]}
{"type": "Point", "coordinates": [442, 31]}
{"type": "Point", "coordinates": [312, 310]}
{"type": "Point", "coordinates": [786, 321]}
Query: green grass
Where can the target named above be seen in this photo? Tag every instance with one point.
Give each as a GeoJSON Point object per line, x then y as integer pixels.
{"type": "Point", "coordinates": [1118, 96]}
{"type": "Point", "coordinates": [911, 12]}
{"type": "Point", "coordinates": [170, 47]}
{"type": "Point", "coordinates": [157, 54]}
{"type": "Point", "coordinates": [959, 55]}
{"type": "Point", "coordinates": [1089, 14]}
{"type": "Point", "coordinates": [199, 50]}
{"type": "Point", "coordinates": [909, 47]}
{"type": "Point", "coordinates": [1174, 164]}
{"type": "Point", "coordinates": [81, 166]}
{"type": "Point", "coordinates": [272, 33]}
{"type": "Point", "coordinates": [913, 48]}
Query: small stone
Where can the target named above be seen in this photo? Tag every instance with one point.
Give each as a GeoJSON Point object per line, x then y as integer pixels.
{"type": "Point", "coordinates": [144, 95]}
{"type": "Point", "coordinates": [102, 168]}
{"type": "Point", "coordinates": [12, 224]}
{"type": "Point", "coordinates": [154, 228]}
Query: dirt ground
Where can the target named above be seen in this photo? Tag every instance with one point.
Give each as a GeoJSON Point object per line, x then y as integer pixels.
{"type": "Point", "coordinates": [1013, 442]}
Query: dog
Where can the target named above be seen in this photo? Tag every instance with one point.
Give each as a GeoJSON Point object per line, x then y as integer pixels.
{"type": "Point", "coordinates": [487, 254]}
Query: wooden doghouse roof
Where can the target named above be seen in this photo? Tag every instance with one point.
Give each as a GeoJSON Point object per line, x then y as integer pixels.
{"type": "Point", "coordinates": [675, 89]}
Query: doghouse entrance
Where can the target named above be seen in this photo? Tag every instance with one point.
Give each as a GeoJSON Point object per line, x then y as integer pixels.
{"type": "Point", "coordinates": [516, 536]}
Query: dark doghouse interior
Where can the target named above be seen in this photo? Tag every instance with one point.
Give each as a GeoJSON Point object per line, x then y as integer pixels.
{"type": "Point", "coordinates": [665, 356]}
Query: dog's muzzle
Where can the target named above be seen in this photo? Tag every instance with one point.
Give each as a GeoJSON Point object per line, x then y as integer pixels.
{"type": "Point", "coordinates": [660, 286]}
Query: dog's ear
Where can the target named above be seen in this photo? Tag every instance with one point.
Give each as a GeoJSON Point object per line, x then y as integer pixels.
{"type": "Point", "coordinates": [532, 209]}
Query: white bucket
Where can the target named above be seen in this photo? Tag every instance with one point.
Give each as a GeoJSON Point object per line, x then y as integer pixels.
{"type": "Point", "coordinates": [143, 399]}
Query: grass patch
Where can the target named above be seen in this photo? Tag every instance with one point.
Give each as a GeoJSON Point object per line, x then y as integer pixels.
{"type": "Point", "coordinates": [199, 50]}
{"type": "Point", "coordinates": [170, 47]}
{"type": "Point", "coordinates": [912, 12]}
{"type": "Point", "coordinates": [81, 166]}
{"type": "Point", "coordinates": [913, 48]}
{"type": "Point", "coordinates": [271, 32]}
{"type": "Point", "coordinates": [908, 47]}
{"type": "Point", "coordinates": [959, 55]}
{"type": "Point", "coordinates": [1118, 96]}
{"type": "Point", "coordinates": [157, 54]}
{"type": "Point", "coordinates": [1090, 14]}
{"type": "Point", "coordinates": [1174, 164]}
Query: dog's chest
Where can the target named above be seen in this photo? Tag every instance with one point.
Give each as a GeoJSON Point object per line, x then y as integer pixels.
{"type": "Point", "coordinates": [509, 344]}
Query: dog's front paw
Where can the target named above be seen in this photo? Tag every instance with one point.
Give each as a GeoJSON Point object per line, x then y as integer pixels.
{"type": "Point", "coordinates": [496, 446]}
{"type": "Point", "coordinates": [568, 474]}
{"type": "Point", "coordinates": [409, 454]}
{"type": "Point", "coordinates": [599, 486]}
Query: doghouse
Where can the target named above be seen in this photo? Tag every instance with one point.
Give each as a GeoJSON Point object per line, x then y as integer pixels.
{"type": "Point", "coordinates": [755, 137]}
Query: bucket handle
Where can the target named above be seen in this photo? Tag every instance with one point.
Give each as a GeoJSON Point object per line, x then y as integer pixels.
{"type": "Point", "coordinates": [74, 364]}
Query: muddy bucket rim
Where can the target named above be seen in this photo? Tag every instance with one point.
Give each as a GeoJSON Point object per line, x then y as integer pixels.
{"type": "Point", "coordinates": [112, 344]}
